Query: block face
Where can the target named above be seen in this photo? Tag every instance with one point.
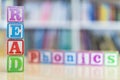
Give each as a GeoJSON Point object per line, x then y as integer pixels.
{"type": "Point", "coordinates": [83, 58]}
{"type": "Point", "coordinates": [70, 58]}
{"type": "Point", "coordinates": [15, 13]}
{"type": "Point", "coordinates": [97, 58]}
{"type": "Point", "coordinates": [33, 56]}
{"type": "Point", "coordinates": [46, 57]}
{"type": "Point", "coordinates": [15, 63]}
{"type": "Point", "coordinates": [57, 57]}
{"type": "Point", "coordinates": [15, 47]}
{"type": "Point", "coordinates": [15, 30]}
{"type": "Point", "coordinates": [111, 58]}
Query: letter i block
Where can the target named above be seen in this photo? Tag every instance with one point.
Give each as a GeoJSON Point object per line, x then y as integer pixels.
{"type": "Point", "coordinates": [33, 56]}
{"type": "Point", "coordinates": [97, 58]}
{"type": "Point", "coordinates": [15, 63]}
{"type": "Point", "coordinates": [57, 57]}
{"type": "Point", "coordinates": [15, 13]}
{"type": "Point", "coordinates": [15, 47]}
{"type": "Point", "coordinates": [15, 30]}
{"type": "Point", "coordinates": [111, 58]}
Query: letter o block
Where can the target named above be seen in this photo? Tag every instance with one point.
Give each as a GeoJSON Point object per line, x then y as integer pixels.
{"type": "Point", "coordinates": [57, 57]}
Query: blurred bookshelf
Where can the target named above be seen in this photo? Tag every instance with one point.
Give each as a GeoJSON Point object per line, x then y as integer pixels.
{"type": "Point", "coordinates": [68, 24]}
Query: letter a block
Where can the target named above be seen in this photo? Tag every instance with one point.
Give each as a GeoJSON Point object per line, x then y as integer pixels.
{"type": "Point", "coordinates": [111, 58]}
{"type": "Point", "coordinates": [15, 30]}
{"type": "Point", "coordinates": [15, 63]}
{"type": "Point", "coordinates": [15, 47]}
{"type": "Point", "coordinates": [15, 14]}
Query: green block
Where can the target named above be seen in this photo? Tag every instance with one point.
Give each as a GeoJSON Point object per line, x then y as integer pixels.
{"type": "Point", "coordinates": [15, 63]}
{"type": "Point", "coordinates": [111, 58]}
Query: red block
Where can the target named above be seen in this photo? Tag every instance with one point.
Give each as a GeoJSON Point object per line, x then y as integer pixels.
{"type": "Point", "coordinates": [33, 56]}
{"type": "Point", "coordinates": [15, 47]}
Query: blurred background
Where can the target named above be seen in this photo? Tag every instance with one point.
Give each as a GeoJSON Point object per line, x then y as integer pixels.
{"type": "Point", "coordinates": [66, 24]}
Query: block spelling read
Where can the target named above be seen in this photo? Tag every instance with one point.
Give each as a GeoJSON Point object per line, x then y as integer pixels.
{"type": "Point", "coordinates": [15, 42]}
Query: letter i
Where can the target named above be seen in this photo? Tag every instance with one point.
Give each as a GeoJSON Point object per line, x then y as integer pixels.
{"type": "Point", "coordinates": [15, 42]}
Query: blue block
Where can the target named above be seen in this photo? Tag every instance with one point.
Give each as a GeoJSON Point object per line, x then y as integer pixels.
{"type": "Point", "coordinates": [15, 30]}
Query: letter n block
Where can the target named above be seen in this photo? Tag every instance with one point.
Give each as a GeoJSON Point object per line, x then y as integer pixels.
{"type": "Point", "coordinates": [15, 13]}
{"type": "Point", "coordinates": [111, 58]}
{"type": "Point", "coordinates": [33, 56]}
{"type": "Point", "coordinates": [15, 47]}
{"type": "Point", "coordinates": [15, 30]}
{"type": "Point", "coordinates": [57, 57]}
{"type": "Point", "coordinates": [15, 63]}
{"type": "Point", "coordinates": [97, 58]}
{"type": "Point", "coordinates": [70, 58]}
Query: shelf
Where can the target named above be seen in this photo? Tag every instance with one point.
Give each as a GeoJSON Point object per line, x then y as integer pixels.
{"type": "Point", "coordinates": [41, 25]}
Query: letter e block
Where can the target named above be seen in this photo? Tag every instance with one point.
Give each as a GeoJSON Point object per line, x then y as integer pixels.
{"type": "Point", "coordinates": [33, 56]}
{"type": "Point", "coordinates": [15, 63]}
{"type": "Point", "coordinates": [15, 30]}
{"type": "Point", "coordinates": [111, 58]}
{"type": "Point", "coordinates": [15, 13]}
{"type": "Point", "coordinates": [15, 47]}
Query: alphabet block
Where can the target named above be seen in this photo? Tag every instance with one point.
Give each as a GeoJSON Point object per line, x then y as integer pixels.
{"type": "Point", "coordinates": [15, 13]}
{"type": "Point", "coordinates": [33, 56]}
{"type": "Point", "coordinates": [15, 30]}
{"type": "Point", "coordinates": [70, 58]}
{"type": "Point", "coordinates": [57, 57]}
{"type": "Point", "coordinates": [15, 63]}
{"type": "Point", "coordinates": [111, 58]}
{"type": "Point", "coordinates": [97, 58]}
{"type": "Point", "coordinates": [83, 58]}
{"type": "Point", "coordinates": [15, 47]}
{"type": "Point", "coordinates": [46, 57]}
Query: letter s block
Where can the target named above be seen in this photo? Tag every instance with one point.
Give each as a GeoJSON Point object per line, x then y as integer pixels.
{"type": "Point", "coordinates": [15, 63]}
{"type": "Point", "coordinates": [15, 14]}
{"type": "Point", "coordinates": [15, 30]}
{"type": "Point", "coordinates": [15, 47]}
{"type": "Point", "coordinates": [111, 58]}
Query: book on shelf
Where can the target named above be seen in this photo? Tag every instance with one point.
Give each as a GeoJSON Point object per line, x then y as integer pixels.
{"type": "Point", "coordinates": [99, 40]}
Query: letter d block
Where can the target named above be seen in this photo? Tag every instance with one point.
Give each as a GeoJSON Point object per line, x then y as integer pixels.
{"type": "Point", "coordinates": [15, 63]}
{"type": "Point", "coordinates": [15, 13]}
{"type": "Point", "coordinates": [111, 58]}
{"type": "Point", "coordinates": [15, 47]}
{"type": "Point", "coordinates": [15, 30]}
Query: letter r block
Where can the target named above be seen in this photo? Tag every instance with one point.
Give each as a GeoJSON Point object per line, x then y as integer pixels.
{"type": "Point", "coordinates": [15, 14]}
{"type": "Point", "coordinates": [15, 47]}
{"type": "Point", "coordinates": [15, 30]}
{"type": "Point", "coordinates": [15, 63]}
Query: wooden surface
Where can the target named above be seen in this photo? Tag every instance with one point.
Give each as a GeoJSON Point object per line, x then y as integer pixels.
{"type": "Point", "coordinates": [61, 72]}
